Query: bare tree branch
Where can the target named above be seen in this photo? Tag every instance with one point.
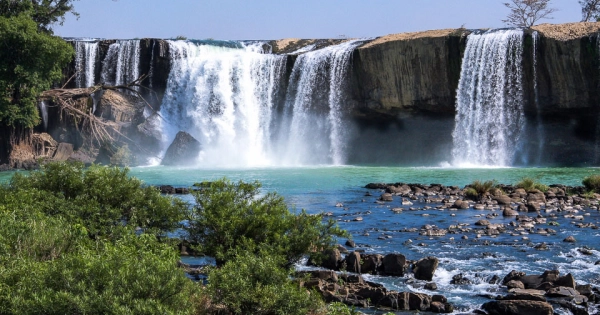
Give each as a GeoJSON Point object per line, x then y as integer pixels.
{"type": "Point", "coordinates": [590, 10]}
{"type": "Point", "coordinates": [525, 13]}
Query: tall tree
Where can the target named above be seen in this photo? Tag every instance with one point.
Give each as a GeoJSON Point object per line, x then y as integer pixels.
{"type": "Point", "coordinates": [590, 10]}
{"type": "Point", "coordinates": [45, 13]}
{"type": "Point", "coordinates": [525, 13]}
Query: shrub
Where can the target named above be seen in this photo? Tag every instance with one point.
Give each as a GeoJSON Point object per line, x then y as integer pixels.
{"type": "Point", "coordinates": [592, 183]}
{"type": "Point", "coordinates": [137, 275]}
{"type": "Point", "coordinates": [257, 284]}
{"type": "Point", "coordinates": [530, 184]}
{"type": "Point", "coordinates": [101, 198]}
{"type": "Point", "coordinates": [235, 216]}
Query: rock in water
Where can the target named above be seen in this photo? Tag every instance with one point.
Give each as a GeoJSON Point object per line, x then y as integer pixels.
{"type": "Point", "coordinates": [425, 268]}
{"type": "Point", "coordinates": [183, 151]}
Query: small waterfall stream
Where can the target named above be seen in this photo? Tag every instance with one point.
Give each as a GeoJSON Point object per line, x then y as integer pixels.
{"type": "Point", "coordinates": [121, 63]}
{"type": "Point", "coordinates": [44, 113]}
{"type": "Point", "coordinates": [489, 106]}
{"type": "Point", "coordinates": [85, 63]}
{"type": "Point", "coordinates": [316, 100]}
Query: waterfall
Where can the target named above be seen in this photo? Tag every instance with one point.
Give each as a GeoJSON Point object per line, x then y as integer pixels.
{"type": "Point", "coordinates": [121, 63]}
{"type": "Point", "coordinates": [315, 100]}
{"type": "Point", "coordinates": [224, 95]}
{"type": "Point", "coordinates": [232, 97]}
{"type": "Point", "coordinates": [44, 113]}
{"type": "Point", "coordinates": [85, 63]}
{"type": "Point", "coordinates": [489, 105]}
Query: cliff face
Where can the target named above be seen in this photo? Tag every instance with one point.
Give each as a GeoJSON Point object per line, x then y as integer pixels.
{"type": "Point", "coordinates": [408, 72]}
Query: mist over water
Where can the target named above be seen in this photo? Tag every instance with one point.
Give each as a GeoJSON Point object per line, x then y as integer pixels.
{"type": "Point", "coordinates": [231, 100]}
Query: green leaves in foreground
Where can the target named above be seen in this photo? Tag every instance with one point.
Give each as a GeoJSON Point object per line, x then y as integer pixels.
{"type": "Point", "coordinates": [102, 199]}
{"type": "Point", "coordinates": [256, 284]}
{"type": "Point", "coordinates": [232, 217]}
{"type": "Point", "coordinates": [136, 275]}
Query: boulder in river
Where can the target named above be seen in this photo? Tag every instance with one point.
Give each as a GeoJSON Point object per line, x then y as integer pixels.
{"type": "Point", "coordinates": [425, 268]}
{"type": "Point", "coordinates": [183, 150]}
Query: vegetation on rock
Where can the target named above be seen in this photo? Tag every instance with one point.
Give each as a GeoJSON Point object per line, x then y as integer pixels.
{"type": "Point", "coordinates": [592, 183]}
{"type": "Point", "coordinates": [530, 184]}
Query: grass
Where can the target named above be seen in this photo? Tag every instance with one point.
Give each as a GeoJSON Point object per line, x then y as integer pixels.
{"type": "Point", "coordinates": [592, 183]}
{"type": "Point", "coordinates": [530, 184]}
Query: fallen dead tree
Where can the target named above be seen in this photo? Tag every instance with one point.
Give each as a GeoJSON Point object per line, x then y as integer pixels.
{"type": "Point", "coordinates": [78, 106]}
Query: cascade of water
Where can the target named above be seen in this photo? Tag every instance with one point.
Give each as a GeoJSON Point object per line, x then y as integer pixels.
{"type": "Point", "coordinates": [489, 104]}
{"type": "Point", "coordinates": [44, 113]}
{"type": "Point", "coordinates": [314, 106]}
{"type": "Point", "coordinates": [85, 63]}
{"type": "Point", "coordinates": [121, 63]}
{"type": "Point", "coordinates": [224, 97]}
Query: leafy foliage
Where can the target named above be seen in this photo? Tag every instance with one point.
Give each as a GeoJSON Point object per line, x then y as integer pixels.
{"type": "Point", "coordinates": [235, 216]}
{"type": "Point", "coordinates": [44, 13]}
{"type": "Point", "coordinates": [525, 13]}
{"type": "Point", "coordinates": [102, 199]}
{"type": "Point", "coordinates": [530, 184]}
{"type": "Point", "coordinates": [251, 284]}
{"type": "Point", "coordinates": [30, 61]}
{"type": "Point", "coordinates": [136, 275]}
{"type": "Point", "coordinates": [592, 183]}
{"type": "Point", "coordinates": [49, 264]}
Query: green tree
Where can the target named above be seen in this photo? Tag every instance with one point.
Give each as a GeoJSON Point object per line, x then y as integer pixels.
{"type": "Point", "coordinates": [45, 13]}
{"type": "Point", "coordinates": [102, 199]}
{"type": "Point", "coordinates": [236, 216]}
{"type": "Point", "coordinates": [251, 284]}
{"type": "Point", "coordinates": [30, 61]}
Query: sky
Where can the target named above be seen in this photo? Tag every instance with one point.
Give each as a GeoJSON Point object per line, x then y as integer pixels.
{"type": "Point", "coordinates": [276, 19]}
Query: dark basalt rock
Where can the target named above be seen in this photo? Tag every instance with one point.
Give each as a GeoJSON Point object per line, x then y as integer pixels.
{"type": "Point", "coordinates": [518, 307]}
{"type": "Point", "coordinates": [183, 150]}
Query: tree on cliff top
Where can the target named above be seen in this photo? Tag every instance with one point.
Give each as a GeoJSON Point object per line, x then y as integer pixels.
{"type": "Point", "coordinates": [590, 10]}
{"type": "Point", "coordinates": [525, 13]}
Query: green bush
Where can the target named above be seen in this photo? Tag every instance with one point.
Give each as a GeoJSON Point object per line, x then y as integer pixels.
{"type": "Point", "coordinates": [530, 184]}
{"type": "Point", "coordinates": [136, 275]}
{"type": "Point", "coordinates": [257, 284]}
{"type": "Point", "coordinates": [101, 198]}
{"type": "Point", "coordinates": [235, 216]}
{"type": "Point", "coordinates": [592, 183]}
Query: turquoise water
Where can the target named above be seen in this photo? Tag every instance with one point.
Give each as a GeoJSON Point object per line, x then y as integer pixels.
{"type": "Point", "coordinates": [319, 189]}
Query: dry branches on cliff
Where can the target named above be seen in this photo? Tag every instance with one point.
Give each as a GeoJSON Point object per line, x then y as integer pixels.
{"type": "Point", "coordinates": [78, 105]}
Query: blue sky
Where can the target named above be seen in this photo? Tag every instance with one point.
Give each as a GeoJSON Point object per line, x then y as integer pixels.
{"type": "Point", "coordinates": [275, 19]}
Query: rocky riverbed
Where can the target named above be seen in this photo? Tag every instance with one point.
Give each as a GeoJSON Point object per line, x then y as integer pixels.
{"type": "Point", "coordinates": [506, 250]}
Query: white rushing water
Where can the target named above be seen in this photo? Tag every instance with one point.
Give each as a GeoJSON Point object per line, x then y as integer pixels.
{"type": "Point", "coordinates": [224, 97]}
{"type": "Point", "coordinates": [44, 113]}
{"type": "Point", "coordinates": [230, 99]}
{"type": "Point", "coordinates": [85, 63]}
{"type": "Point", "coordinates": [121, 63]}
{"type": "Point", "coordinates": [316, 99]}
{"type": "Point", "coordinates": [489, 105]}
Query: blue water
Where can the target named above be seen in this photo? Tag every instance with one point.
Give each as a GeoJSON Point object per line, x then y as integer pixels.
{"type": "Point", "coordinates": [319, 189]}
